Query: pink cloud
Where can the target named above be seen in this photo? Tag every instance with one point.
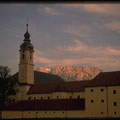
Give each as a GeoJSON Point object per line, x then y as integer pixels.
{"type": "Point", "coordinates": [78, 30]}
{"type": "Point", "coordinates": [51, 11]}
{"type": "Point", "coordinates": [81, 47]}
{"type": "Point", "coordinates": [96, 8]}
{"type": "Point", "coordinates": [39, 58]}
{"type": "Point", "coordinates": [96, 56]}
{"type": "Point", "coordinates": [105, 9]}
{"type": "Point", "coordinates": [100, 62]}
{"type": "Point", "coordinates": [78, 46]}
{"type": "Point", "coordinates": [115, 26]}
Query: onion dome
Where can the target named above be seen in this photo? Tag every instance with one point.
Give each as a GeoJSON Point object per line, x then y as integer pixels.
{"type": "Point", "coordinates": [26, 45]}
{"type": "Point", "coordinates": [27, 35]}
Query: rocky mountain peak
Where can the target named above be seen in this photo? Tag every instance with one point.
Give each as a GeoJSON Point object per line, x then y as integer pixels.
{"type": "Point", "coordinates": [72, 73]}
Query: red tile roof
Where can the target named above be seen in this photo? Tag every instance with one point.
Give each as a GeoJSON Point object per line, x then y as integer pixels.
{"type": "Point", "coordinates": [105, 79]}
{"type": "Point", "coordinates": [45, 104]}
{"type": "Point", "coordinates": [44, 88]}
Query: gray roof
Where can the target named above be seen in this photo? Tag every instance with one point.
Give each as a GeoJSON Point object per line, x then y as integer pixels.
{"type": "Point", "coordinates": [40, 77]}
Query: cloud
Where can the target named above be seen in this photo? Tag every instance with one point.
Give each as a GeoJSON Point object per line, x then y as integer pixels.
{"type": "Point", "coordinates": [78, 30]}
{"type": "Point", "coordinates": [105, 63]}
{"type": "Point", "coordinates": [114, 26]}
{"type": "Point", "coordinates": [104, 9]}
{"type": "Point", "coordinates": [100, 62]}
{"type": "Point", "coordinates": [52, 11]}
{"type": "Point", "coordinates": [40, 58]}
{"type": "Point", "coordinates": [81, 47]}
{"type": "Point", "coordinates": [78, 47]}
{"type": "Point", "coordinates": [106, 58]}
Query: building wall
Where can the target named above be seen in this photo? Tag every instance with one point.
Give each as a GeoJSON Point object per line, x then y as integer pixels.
{"type": "Point", "coordinates": [96, 102]}
{"type": "Point", "coordinates": [29, 114]}
{"type": "Point", "coordinates": [114, 101]}
{"type": "Point", "coordinates": [76, 114]}
{"type": "Point", "coordinates": [57, 95]}
{"type": "Point", "coordinates": [11, 114]}
{"type": "Point", "coordinates": [111, 105]}
{"type": "Point", "coordinates": [51, 114]}
{"type": "Point", "coordinates": [38, 96]}
{"type": "Point", "coordinates": [99, 102]}
{"type": "Point", "coordinates": [43, 114]}
{"type": "Point", "coordinates": [76, 94]}
{"type": "Point", "coordinates": [20, 93]}
{"type": "Point", "coordinates": [26, 73]}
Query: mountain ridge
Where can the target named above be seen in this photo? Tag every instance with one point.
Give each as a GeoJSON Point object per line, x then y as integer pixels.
{"type": "Point", "coordinates": [72, 73]}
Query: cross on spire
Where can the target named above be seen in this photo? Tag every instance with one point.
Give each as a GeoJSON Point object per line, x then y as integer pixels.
{"type": "Point", "coordinates": [27, 24]}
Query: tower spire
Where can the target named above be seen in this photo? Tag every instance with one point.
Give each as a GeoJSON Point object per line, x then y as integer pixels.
{"type": "Point", "coordinates": [27, 25]}
{"type": "Point", "coordinates": [27, 35]}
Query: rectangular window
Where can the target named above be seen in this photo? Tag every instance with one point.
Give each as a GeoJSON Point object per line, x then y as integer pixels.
{"type": "Point", "coordinates": [92, 101]}
{"type": "Point", "coordinates": [91, 90]}
{"type": "Point", "coordinates": [102, 101]}
{"type": "Point", "coordinates": [29, 98]}
{"type": "Point", "coordinates": [102, 90]}
{"type": "Point", "coordinates": [115, 112]}
{"type": "Point", "coordinates": [114, 91]}
{"type": "Point", "coordinates": [13, 100]}
{"type": "Point", "coordinates": [114, 103]}
{"type": "Point", "coordinates": [78, 96]}
{"type": "Point", "coordinates": [101, 112]}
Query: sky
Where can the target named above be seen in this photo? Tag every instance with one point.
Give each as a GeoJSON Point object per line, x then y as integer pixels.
{"type": "Point", "coordinates": [85, 35]}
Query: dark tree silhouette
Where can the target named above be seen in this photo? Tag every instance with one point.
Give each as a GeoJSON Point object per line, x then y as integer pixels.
{"type": "Point", "coordinates": [6, 85]}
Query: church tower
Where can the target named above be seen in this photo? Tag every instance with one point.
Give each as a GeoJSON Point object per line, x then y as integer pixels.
{"type": "Point", "coordinates": [26, 71]}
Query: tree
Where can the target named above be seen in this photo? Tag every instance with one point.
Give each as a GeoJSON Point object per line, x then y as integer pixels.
{"type": "Point", "coordinates": [6, 85]}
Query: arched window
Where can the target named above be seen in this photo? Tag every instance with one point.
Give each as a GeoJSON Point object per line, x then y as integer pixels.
{"type": "Point", "coordinates": [23, 56]}
{"type": "Point", "coordinates": [30, 56]}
